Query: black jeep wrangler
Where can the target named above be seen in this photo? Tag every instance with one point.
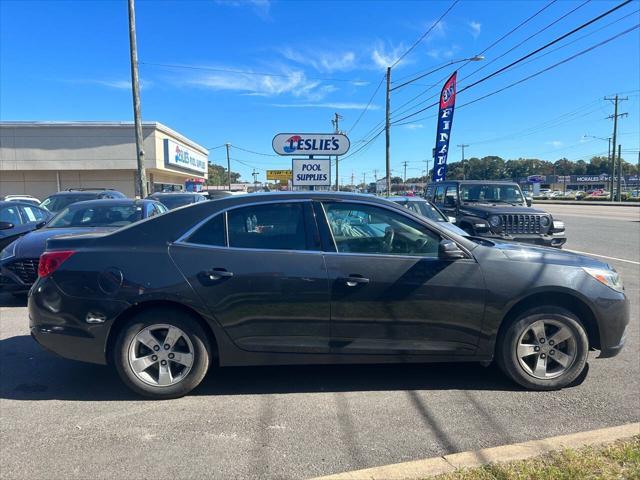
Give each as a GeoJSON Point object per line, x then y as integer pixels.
{"type": "Point", "coordinates": [495, 209]}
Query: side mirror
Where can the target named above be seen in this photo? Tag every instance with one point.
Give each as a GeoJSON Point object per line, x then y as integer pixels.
{"type": "Point", "coordinates": [6, 225]}
{"type": "Point", "coordinates": [452, 219]}
{"type": "Point", "coordinates": [449, 250]}
{"type": "Point", "coordinates": [528, 200]}
{"type": "Point", "coordinates": [40, 225]}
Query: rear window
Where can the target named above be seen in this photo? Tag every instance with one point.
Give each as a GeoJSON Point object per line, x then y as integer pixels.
{"type": "Point", "coordinates": [175, 201]}
{"type": "Point", "coordinates": [56, 203]}
{"type": "Point", "coordinates": [97, 216]}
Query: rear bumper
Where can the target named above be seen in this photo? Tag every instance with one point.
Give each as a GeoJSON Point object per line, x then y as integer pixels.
{"type": "Point", "coordinates": [58, 322]}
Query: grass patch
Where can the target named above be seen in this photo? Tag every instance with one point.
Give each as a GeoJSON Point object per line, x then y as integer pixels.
{"type": "Point", "coordinates": [620, 460]}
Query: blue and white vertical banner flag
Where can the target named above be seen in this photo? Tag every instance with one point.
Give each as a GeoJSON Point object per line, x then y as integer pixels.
{"type": "Point", "coordinates": [445, 122]}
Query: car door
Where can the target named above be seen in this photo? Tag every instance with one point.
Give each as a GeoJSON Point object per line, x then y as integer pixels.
{"type": "Point", "coordinates": [13, 223]}
{"type": "Point", "coordinates": [450, 203]}
{"type": "Point", "coordinates": [260, 271]}
{"type": "Point", "coordinates": [390, 291]}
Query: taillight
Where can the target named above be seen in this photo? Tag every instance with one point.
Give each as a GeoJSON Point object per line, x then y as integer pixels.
{"type": "Point", "coordinates": [50, 261]}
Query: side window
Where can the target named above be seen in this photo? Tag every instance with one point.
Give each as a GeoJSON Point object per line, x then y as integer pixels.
{"type": "Point", "coordinates": [10, 214]}
{"type": "Point", "coordinates": [159, 208]}
{"type": "Point", "coordinates": [32, 214]}
{"type": "Point", "coordinates": [211, 233]}
{"type": "Point", "coordinates": [276, 226]}
{"type": "Point", "coordinates": [359, 228]}
{"type": "Point", "coordinates": [451, 196]}
{"type": "Point", "coordinates": [438, 197]}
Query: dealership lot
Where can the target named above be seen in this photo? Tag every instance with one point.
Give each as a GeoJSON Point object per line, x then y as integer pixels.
{"type": "Point", "coordinates": [64, 419]}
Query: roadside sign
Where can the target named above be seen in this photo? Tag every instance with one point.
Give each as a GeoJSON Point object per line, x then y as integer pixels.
{"type": "Point", "coordinates": [310, 144]}
{"type": "Point", "coordinates": [311, 172]}
{"type": "Point", "coordinates": [536, 178]}
{"type": "Point", "coordinates": [279, 175]}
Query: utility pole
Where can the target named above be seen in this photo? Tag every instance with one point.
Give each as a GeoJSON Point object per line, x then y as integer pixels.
{"type": "Point", "coordinates": [228, 167]}
{"type": "Point", "coordinates": [464, 168]}
{"type": "Point", "coordinates": [141, 176]}
{"type": "Point", "coordinates": [364, 180]}
{"type": "Point", "coordinates": [427, 174]}
{"type": "Point", "coordinates": [404, 179]}
{"type": "Point", "coordinates": [387, 127]}
{"type": "Point", "coordinates": [255, 179]}
{"type": "Point", "coordinates": [336, 126]}
{"type": "Point", "coordinates": [619, 194]}
{"type": "Point", "coordinates": [615, 116]}
{"type": "Point", "coordinates": [352, 184]}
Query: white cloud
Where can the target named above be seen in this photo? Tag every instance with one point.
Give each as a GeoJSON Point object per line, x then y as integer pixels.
{"type": "Point", "coordinates": [292, 82]}
{"type": "Point", "coordinates": [322, 61]}
{"type": "Point", "coordinates": [259, 7]}
{"type": "Point", "coordinates": [475, 27]}
{"type": "Point", "coordinates": [384, 56]}
{"type": "Point", "coordinates": [555, 143]}
{"type": "Point", "coordinates": [444, 53]}
{"type": "Point", "coordinates": [336, 105]}
{"type": "Point", "coordinates": [413, 126]}
{"type": "Point", "coordinates": [114, 84]}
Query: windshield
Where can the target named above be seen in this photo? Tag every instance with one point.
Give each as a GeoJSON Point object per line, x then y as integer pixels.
{"type": "Point", "coordinates": [491, 193]}
{"type": "Point", "coordinates": [97, 216]}
{"type": "Point", "coordinates": [425, 209]}
{"type": "Point", "coordinates": [174, 201]}
{"type": "Point", "coordinates": [58, 202]}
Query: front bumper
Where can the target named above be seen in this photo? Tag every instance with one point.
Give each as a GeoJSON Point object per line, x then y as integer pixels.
{"type": "Point", "coordinates": [10, 281]}
{"type": "Point", "coordinates": [58, 322]}
{"type": "Point", "coordinates": [613, 320]}
{"type": "Point", "coordinates": [553, 240]}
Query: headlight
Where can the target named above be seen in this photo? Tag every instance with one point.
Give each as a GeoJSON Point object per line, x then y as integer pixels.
{"type": "Point", "coordinates": [544, 221]}
{"type": "Point", "coordinates": [558, 226]}
{"type": "Point", "coordinates": [9, 251]}
{"type": "Point", "coordinates": [494, 221]}
{"type": "Point", "coordinates": [610, 278]}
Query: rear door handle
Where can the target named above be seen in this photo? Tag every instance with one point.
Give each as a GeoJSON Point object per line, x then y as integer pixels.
{"type": "Point", "coordinates": [353, 280]}
{"type": "Point", "coordinates": [217, 273]}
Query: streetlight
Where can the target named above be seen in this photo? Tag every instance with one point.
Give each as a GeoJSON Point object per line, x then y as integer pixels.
{"type": "Point", "coordinates": [475, 58]}
{"type": "Point", "coordinates": [610, 159]}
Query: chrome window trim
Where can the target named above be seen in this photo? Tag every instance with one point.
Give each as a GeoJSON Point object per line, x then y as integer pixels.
{"type": "Point", "coordinates": [225, 212]}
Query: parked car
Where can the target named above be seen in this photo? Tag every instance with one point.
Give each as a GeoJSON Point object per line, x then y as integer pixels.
{"type": "Point", "coordinates": [19, 260]}
{"type": "Point", "coordinates": [56, 202]}
{"type": "Point", "coordinates": [216, 194]}
{"type": "Point", "coordinates": [272, 279]}
{"type": "Point", "coordinates": [496, 210]}
{"type": "Point", "coordinates": [422, 207]}
{"type": "Point", "coordinates": [22, 198]}
{"type": "Point", "coordinates": [19, 218]}
{"type": "Point", "coordinates": [173, 200]}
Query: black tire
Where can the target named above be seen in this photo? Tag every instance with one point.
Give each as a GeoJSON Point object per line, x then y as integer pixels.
{"type": "Point", "coordinates": [192, 330]}
{"type": "Point", "coordinates": [507, 345]}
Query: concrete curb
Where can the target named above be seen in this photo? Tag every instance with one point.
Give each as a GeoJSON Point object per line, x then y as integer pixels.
{"type": "Point", "coordinates": [586, 202]}
{"type": "Point", "coordinates": [519, 451]}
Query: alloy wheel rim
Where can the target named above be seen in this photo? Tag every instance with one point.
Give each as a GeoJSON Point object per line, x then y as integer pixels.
{"type": "Point", "coordinates": [546, 349]}
{"type": "Point", "coordinates": [161, 355]}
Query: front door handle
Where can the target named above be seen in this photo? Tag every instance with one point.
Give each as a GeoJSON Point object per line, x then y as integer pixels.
{"type": "Point", "coordinates": [353, 280]}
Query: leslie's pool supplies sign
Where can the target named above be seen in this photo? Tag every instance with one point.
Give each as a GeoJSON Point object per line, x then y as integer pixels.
{"type": "Point", "coordinates": [310, 144]}
{"type": "Point", "coordinates": [311, 172]}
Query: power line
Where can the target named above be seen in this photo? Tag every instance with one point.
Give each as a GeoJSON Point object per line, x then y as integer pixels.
{"type": "Point", "coordinates": [368, 105]}
{"type": "Point", "coordinates": [497, 72]}
{"type": "Point", "coordinates": [248, 72]}
{"type": "Point", "coordinates": [254, 152]}
{"type": "Point", "coordinates": [424, 35]}
{"type": "Point", "coordinates": [481, 67]}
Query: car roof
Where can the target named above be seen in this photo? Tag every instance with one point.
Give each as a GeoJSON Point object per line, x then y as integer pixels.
{"type": "Point", "coordinates": [479, 182]}
{"type": "Point", "coordinates": [401, 198]}
{"type": "Point", "coordinates": [160, 194]}
{"type": "Point", "coordinates": [113, 202]}
{"type": "Point", "coordinates": [13, 203]}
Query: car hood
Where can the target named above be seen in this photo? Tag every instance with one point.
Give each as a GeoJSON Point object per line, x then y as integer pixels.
{"type": "Point", "coordinates": [533, 254]}
{"type": "Point", "coordinates": [486, 209]}
{"type": "Point", "coordinates": [34, 243]}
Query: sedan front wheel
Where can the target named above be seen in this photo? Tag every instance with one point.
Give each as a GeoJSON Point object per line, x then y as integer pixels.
{"type": "Point", "coordinates": [544, 349]}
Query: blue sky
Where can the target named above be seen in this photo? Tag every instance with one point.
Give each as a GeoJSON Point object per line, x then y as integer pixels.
{"type": "Point", "coordinates": [69, 61]}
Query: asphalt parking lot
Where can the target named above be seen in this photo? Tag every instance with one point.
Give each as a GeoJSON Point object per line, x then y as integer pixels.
{"type": "Point", "coordinates": [62, 419]}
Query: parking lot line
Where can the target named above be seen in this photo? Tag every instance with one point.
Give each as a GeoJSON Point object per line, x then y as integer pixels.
{"type": "Point", "coordinates": [603, 256]}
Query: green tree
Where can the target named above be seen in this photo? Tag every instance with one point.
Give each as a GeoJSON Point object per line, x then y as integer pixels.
{"type": "Point", "coordinates": [218, 175]}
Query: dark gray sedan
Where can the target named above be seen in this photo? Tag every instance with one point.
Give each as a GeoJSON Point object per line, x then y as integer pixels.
{"type": "Point", "coordinates": [309, 278]}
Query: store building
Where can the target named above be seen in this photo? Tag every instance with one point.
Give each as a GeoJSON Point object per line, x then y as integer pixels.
{"type": "Point", "coordinates": [41, 158]}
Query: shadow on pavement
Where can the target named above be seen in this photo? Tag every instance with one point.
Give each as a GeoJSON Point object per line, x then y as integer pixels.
{"type": "Point", "coordinates": [8, 300]}
{"type": "Point", "coordinates": [27, 372]}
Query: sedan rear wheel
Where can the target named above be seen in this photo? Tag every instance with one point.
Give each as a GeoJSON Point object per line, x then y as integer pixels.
{"type": "Point", "coordinates": [162, 354]}
{"type": "Point", "coordinates": [544, 349]}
